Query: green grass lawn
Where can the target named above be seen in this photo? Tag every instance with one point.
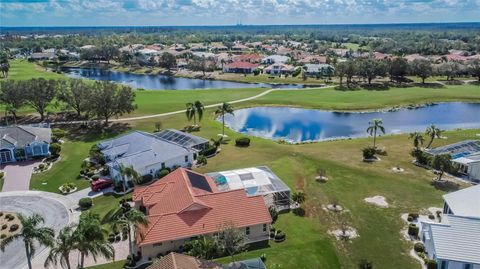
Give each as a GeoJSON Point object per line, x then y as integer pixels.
{"type": "Point", "coordinates": [22, 70]}
{"type": "Point", "coordinates": [113, 265]}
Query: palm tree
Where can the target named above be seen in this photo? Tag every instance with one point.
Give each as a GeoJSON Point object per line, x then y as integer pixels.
{"type": "Point", "coordinates": [205, 247]}
{"type": "Point", "coordinates": [190, 113]}
{"type": "Point", "coordinates": [199, 108]}
{"type": "Point", "coordinates": [130, 220]}
{"type": "Point", "coordinates": [128, 173]}
{"type": "Point", "coordinates": [433, 132]}
{"type": "Point", "coordinates": [375, 126]}
{"type": "Point", "coordinates": [90, 238]}
{"type": "Point", "coordinates": [30, 234]}
{"type": "Point", "coordinates": [60, 252]}
{"type": "Point", "coordinates": [222, 110]}
{"type": "Point", "coordinates": [299, 197]}
{"type": "Point", "coordinates": [417, 139]}
{"type": "Point", "coordinates": [194, 109]}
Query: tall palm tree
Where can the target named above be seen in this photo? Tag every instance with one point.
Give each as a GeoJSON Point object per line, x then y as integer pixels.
{"type": "Point", "coordinates": [31, 233]}
{"type": "Point", "coordinates": [128, 173]}
{"type": "Point", "coordinates": [417, 139]}
{"type": "Point", "coordinates": [60, 252]}
{"type": "Point", "coordinates": [91, 240]}
{"type": "Point", "coordinates": [375, 126]}
{"type": "Point", "coordinates": [433, 132]}
{"type": "Point", "coordinates": [190, 113]}
{"type": "Point", "coordinates": [222, 110]}
{"type": "Point", "coordinates": [199, 108]}
{"type": "Point", "coordinates": [128, 220]}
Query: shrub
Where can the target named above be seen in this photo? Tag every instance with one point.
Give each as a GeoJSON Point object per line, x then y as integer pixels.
{"type": "Point", "coordinates": [58, 133]}
{"type": "Point", "coordinates": [256, 72]}
{"type": "Point", "coordinates": [296, 72]}
{"type": "Point", "coordinates": [1, 176]}
{"type": "Point", "coordinates": [413, 230]}
{"type": "Point", "coordinates": [4, 226]}
{"type": "Point", "coordinates": [299, 211]}
{"type": "Point", "coordinates": [419, 247]}
{"type": "Point", "coordinates": [273, 213]}
{"type": "Point", "coordinates": [1, 214]}
{"type": "Point", "coordinates": [41, 166]}
{"type": "Point", "coordinates": [368, 153]}
{"type": "Point", "coordinates": [263, 257]}
{"type": "Point", "coordinates": [146, 178]}
{"type": "Point", "coordinates": [162, 173]}
{"type": "Point", "coordinates": [95, 177]}
{"type": "Point", "coordinates": [420, 156]}
{"type": "Point", "coordinates": [431, 264]}
{"type": "Point", "coordinates": [409, 219]}
{"type": "Point", "coordinates": [106, 171]}
{"type": "Point", "coordinates": [431, 216]}
{"type": "Point", "coordinates": [55, 148]}
{"type": "Point", "coordinates": [414, 216]}
{"type": "Point", "coordinates": [3, 236]}
{"type": "Point", "coordinates": [202, 160]}
{"type": "Point", "coordinates": [242, 142]}
{"type": "Point", "coordinates": [85, 203]}
{"type": "Point", "coordinates": [279, 237]}
{"type": "Point", "coordinates": [14, 227]}
{"type": "Point", "coordinates": [211, 150]}
{"type": "Point", "coordinates": [67, 187]}
{"type": "Point", "coordinates": [11, 217]}
{"type": "Point", "coordinates": [90, 173]}
{"type": "Point", "coordinates": [8, 216]}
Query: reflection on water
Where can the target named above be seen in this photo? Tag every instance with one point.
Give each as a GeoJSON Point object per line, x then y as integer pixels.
{"type": "Point", "coordinates": [162, 82]}
{"type": "Point", "coordinates": [298, 124]}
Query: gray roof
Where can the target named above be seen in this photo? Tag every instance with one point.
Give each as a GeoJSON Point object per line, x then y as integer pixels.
{"type": "Point", "coordinates": [20, 136]}
{"type": "Point", "coordinates": [141, 149]}
{"type": "Point", "coordinates": [180, 138]}
{"type": "Point", "coordinates": [255, 263]}
{"type": "Point", "coordinates": [462, 202]}
{"type": "Point", "coordinates": [458, 240]}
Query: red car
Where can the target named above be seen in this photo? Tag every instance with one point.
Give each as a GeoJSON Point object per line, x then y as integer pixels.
{"type": "Point", "coordinates": [101, 184]}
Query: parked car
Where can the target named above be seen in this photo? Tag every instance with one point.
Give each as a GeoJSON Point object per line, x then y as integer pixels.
{"type": "Point", "coordinates": [101, 184]}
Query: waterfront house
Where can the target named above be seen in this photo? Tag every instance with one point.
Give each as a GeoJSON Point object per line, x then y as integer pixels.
{"type": "Point", "coordinates": [149, 153]}
{"type": "Point", "coordinates": [272, 59]}
{"type": "Point", "coordinates": [22, 142]}
{"type": "Point", "coordinates": [279, 69]}
{"type": "Point", "coordinates": [240, 67]}
{"type": "Point", "coordinates": [185, 204]}
{"type": "Point", "coordinates": [318, 70]}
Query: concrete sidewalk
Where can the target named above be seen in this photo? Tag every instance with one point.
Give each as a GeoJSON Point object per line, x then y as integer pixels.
{"type": "Point", "coordinates": [87, 192]}
{"type": "Point", "coordinates": [18, 175]}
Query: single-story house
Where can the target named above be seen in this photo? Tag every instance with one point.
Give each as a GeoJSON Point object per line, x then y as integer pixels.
{"type": "Point", "coordinates": [149, 153]}
{"type": "Point", "coordinates": [255, 181]}
{"type": "Point", "coordinates": [239, 47]}
{"type": "Point", "coordinates": [240, 67]}
{"type": "Point", "coordinates": [454, 243]}
{"type": "Point", "coordinates": [38, 56]}
{"type": "Point", "coordinates": [279, 69]}
{"type": "Point", "coordinates": [175, 260]}
{"type": "Point", "coordinates": [249, 57]}
{"type": "Point", "coordinates": [318, 70]}
{"type": "Point", "coordinates": [272, 59]}
{"type": "Point", "coordinates": [462, 202]}
{"type": "Point", "coordinates": [317, 59]}
{"type": "Point", "coordinates": [22, 142]}
{"type": "Point", "coordinates": [465, 156]}
{"type": "Point", "coordinates": [185, 204]}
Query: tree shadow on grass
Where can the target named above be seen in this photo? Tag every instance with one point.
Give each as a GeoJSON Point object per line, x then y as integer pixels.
{"type": "Point", "coordinates": [433, 85]}
{"type": "Point", "coordinates": [94, 131]}
{"type": "Point", "coordinates": [376, 87]}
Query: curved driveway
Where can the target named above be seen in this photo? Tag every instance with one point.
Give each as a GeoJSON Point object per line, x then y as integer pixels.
{"type": "Point", "coordinates": [55, 209]}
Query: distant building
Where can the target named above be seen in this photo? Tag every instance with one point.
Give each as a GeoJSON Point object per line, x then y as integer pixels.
{"type": "Point", "coordinates": [39, 56]}
{"type": "Point", "coordinates": [240, 67]}
{"type": "Point", "coordinates": [149, 153]}
{"type": "Point", "coordinates": [275, 59]}
{"type": "Point", "coordinates": [279, 69]}
{"type": "Point", "coordinates": [318, 70]}
{"type": "Point", "coordinates": [22, 142]}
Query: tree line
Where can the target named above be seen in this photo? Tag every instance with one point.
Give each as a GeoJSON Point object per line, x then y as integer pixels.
{"type": "Point", "coordinates": [398, 68]}
{"type": "Point", "coordinates": [89, 100]}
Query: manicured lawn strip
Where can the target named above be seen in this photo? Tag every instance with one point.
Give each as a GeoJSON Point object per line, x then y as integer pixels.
{"type": "Point", "coordinates": [23, 70]}
{"type": "Point", "coordinates": [332, 99]}
{"type": "Point", "coordinates": [67, 169]}
{"type": "Point", "coordinates": [113, 265]}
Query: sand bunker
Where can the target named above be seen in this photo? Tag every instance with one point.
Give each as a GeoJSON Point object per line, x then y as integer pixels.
{"type": "Point", "coordinates": [378, 200]}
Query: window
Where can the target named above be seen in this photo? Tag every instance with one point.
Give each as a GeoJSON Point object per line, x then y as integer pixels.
{"type": "Point", "coordinates": [194, 156]}
{"type": "Point", "coordinates": [186, 158]}
{"type": "Point", "coordinates": [156, 245]}
{"type": "Point", "coordinates": [163, 165]}
{"type": "Point", "coordinates": [247, 231]}
{"type": "Point", "coordinates": [468, 266]}
{"type": "Point", "coordinates": [264, 227]}
{"type": "Point", "coordinates": [444, 265]}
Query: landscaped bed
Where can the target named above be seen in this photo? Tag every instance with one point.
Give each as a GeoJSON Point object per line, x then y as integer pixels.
{"type": "Point", "coordinates": [9, 224]}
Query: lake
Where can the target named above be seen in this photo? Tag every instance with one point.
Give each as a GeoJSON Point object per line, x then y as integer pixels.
{"type": "Point", "coordinates": [163, 82]}
{"type": "Point", "coordinates": [300, 125]}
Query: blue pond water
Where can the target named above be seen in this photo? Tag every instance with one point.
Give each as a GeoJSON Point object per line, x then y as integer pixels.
{"type": "Point", "coordinates": [298, 124]}
{"type": "Point", "coordinates": [163, 82]}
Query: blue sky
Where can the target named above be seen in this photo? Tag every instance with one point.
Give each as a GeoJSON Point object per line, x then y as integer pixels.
{"type": "Point", "coordinates": [227, 12]}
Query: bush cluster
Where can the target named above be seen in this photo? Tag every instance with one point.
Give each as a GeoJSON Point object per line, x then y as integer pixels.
{"type": "Point", "coordinates": [413, 230]}
{"type": "Point", "coordinates": [242, 142]}
{"type": "Point", "coordinates": [85, 203]}
{"type": "Point", "coordinates": [163, 173]}
{"type": "Point", "coordinates": [14, 227]}
{"type": "Point", "coordinates": [369, 153]}
{"type": "Point", "coordinates": [419, 247]}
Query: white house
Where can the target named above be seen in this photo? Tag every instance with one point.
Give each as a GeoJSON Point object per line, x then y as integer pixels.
{"type": "Point", "coordinates": [272, 59]}
{"type": "Point", "coordinates": [149, 153]}
{"type": "Point", "coordinates": [462, 202]}
{"type": "Point", "coordinates": [455, 243]}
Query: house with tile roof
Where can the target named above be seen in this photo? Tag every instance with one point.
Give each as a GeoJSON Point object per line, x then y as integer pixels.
{"type": "Point", "coordinates": [240, 67]}
{"type": "Point", "coordinates": [279, 69]}
{"type": "Point", "coordinates": [149, 153]}
{"type": "Point", "coordinates": [23, 142]}
{"type": "Point", "coordinates": [185, 204]}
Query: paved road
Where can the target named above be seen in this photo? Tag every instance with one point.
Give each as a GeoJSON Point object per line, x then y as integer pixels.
{"type": "Point", "coordinates": [18, 175]}
{"type": "Point", "coordinates": [56, 210]}
{"type": "Point", "coordinates": [207, 106]}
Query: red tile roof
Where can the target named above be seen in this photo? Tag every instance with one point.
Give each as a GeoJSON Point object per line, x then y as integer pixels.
{"type": "Point", "coordinates": [180, 261]}
{"type": "Point", "coordinates": [242, 65]}
{"type": "Point", "coordinates": [251, 58]}
{"type": "Point", "coordinates": [184, 204]}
